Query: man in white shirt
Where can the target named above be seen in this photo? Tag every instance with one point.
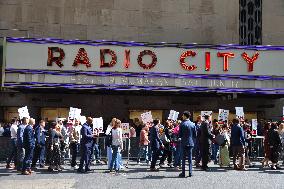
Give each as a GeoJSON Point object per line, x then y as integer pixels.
{"type": "Point", "coordinates": [13, 155]}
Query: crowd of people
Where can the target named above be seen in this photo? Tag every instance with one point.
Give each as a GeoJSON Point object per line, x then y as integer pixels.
{"type": "Point", "coordinates": [173, 142]}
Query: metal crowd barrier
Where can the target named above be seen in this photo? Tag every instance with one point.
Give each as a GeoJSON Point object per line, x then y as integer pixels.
{"type": "Point", "coordinates": [257, 147]}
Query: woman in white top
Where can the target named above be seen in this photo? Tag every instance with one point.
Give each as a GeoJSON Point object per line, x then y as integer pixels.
{"type": "Point", "coordinates": [117, 145]}
{"type": "Point", "coordinates": [108, 141]}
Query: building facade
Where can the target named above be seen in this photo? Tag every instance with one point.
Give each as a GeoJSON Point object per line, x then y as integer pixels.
{"type": "Point", "coordinates": [245, 22]}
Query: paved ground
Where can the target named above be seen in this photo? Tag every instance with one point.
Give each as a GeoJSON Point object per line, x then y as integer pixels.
{"type": "Point", "coordinates": [138, 176]}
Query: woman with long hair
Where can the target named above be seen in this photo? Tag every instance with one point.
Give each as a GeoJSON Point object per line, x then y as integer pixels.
{"type": "Point", "coordinates": [281, 134]}
{"type": "Point", "coordinates": [109, 141]}
{"type": "Point", "coordinates": [266, 145]}
{"type": "Point", "coordinates": [274, 142]}
{"type": "Point", "coordinates": [117, 145]}
{"type": "Point", "coordinates": [55, 138]}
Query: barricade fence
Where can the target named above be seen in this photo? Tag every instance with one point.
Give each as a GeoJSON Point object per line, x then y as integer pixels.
{"type": "Point", "coordinates": [131, 148]}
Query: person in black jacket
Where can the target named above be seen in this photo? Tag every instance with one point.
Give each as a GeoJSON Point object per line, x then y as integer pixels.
{"type": "Point", "coordinates": [274, 144]}
{"type": "Point", "coordinates": [156, 143]}
{"type": "Point", "coordinates": [167, 153]}
{"type": "Point", "coordinates": [205, 142]}
{"type": "Point", "coordinates": [55, 137]}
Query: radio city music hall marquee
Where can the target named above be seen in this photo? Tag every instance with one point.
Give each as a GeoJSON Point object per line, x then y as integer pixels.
{"type": "Point", "coordinates": [132, 65]}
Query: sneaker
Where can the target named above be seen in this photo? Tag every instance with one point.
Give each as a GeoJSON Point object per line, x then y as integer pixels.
{"type": "Point", "coordinates": [9, 166]}
{"type": "Point", "coordinates": [161, 165]}
{"type": "Point", "coordinates": [26, 173]}
{"type": "Point", "coordinates": [154, 169]}
{"type": "Point", "coordinates": [88, 170]}
{"type": "Point", "coordinates": [176, 168]}
{"type": "Point", "coordinates": [278, 167]}
{"type": "Point", "coordinates": [251, 166]}
{"type": "Point", "coordinates": [273, 168]}
{"type": "Point", "coordinates": [170, 165]}
{"type": "Point", "coordinates": [198, 165]}
{"type": "Point", "coordinates": [139, 163]}
{"type": "Point", "coordinates": [182, 175]}
{"type": "Point", "coordinates": [75, 167]}
{"type": "Point", "coordinates": [58, 168]}
{"type": "Point", "coordinates": [80, 171]}
{"type": "Point", "coordinates": [61, 167]}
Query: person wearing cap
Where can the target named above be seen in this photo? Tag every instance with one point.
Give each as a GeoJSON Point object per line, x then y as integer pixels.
{"type": "Point", "coordinates": [187, 136]}
{"type": "Point", "coordinates": [86, 146]}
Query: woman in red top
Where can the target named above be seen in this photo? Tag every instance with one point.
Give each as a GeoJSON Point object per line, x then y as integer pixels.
{"type": "Point", "coordinates": [143, 144]}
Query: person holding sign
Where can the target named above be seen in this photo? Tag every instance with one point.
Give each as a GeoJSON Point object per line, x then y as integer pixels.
{"type": "Point", "coordinates": [86, 146]}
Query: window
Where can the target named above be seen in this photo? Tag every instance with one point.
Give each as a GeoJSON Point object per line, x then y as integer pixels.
{"type": "Point", "coordinates": [250, 19]}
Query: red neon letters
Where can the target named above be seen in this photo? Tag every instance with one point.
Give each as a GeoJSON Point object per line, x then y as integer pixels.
{"type": "Point", "coordinates": [56, 54]}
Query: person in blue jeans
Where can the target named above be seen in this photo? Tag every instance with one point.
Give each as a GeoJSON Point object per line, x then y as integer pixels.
{"type": "Point", "coordinates": [143, 144]}
{"type": "Point", "coordinates": [187, 135]}
{"type": "Point", "coordinates": [117, 145]}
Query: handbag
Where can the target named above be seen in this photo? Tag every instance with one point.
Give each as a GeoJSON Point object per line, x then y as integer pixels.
{"type": "Point", "coordinates": [220, 139]}
{"type": "Point", "coordinates": [164, 138]}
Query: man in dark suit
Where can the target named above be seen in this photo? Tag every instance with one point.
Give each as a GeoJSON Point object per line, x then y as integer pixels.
{"type": "Point", "coordinates": [205, 141]}
{"type": "Point", "coordinates": [20, 148]}
{"type": "Point", "coordinates": [238, 144]}
{"type": "Point", "coordinates": [155, 143]}
{"type": "Point", "coordinates": [28, 144]}
{"type": "Point", "coordinates": [86, 145]}
{"type": "Point", "coordinates": [39, 152]}
{"type": "Point", "coordinates": [187, 136]}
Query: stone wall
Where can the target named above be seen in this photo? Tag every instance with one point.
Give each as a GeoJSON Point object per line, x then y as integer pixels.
{"type": "Point", "coordinates": [187, 21]}
{"type": "Point", "coordinates": [272, 22]}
